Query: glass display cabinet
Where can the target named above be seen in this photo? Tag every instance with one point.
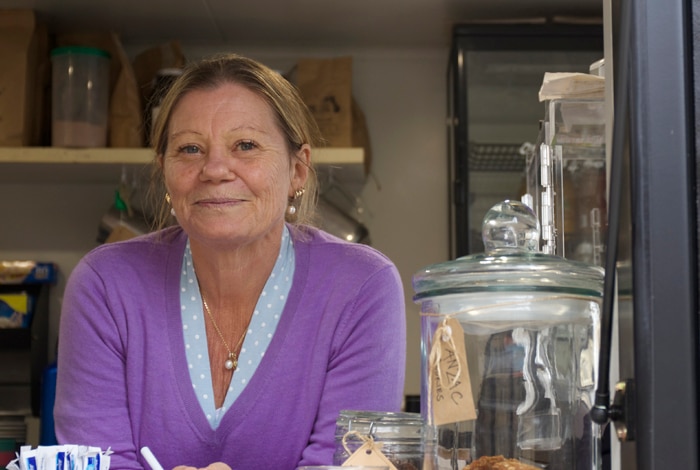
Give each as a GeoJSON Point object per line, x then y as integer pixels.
{"type": "Point", "coordinates": [494, 115]}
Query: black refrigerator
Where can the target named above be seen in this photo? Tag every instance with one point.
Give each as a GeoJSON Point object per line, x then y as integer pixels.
{"type": "Point", "coordinates": [652, 60]}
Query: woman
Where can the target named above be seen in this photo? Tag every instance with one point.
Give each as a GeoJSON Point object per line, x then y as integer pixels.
{"type": "Point", "coordinates": [235, 337]}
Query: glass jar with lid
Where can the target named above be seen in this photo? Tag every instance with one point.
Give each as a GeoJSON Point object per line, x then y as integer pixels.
{"type": "Point", "coordinates": [524, 327]}
{"type": "Point", "coordinates": [401, 435]}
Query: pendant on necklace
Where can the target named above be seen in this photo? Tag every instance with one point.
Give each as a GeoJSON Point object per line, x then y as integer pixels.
{"type": "Point", "coordinates": [231, 362]}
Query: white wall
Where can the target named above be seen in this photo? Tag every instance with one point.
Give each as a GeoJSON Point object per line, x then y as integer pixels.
{"type": "Point", "coordinates": [403, 95]}
{"type": "Point", "coordinates": [404, 98]}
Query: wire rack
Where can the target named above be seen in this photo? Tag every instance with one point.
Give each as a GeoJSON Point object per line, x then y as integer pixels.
{"type": "Point", "coordinates": [496, 157]}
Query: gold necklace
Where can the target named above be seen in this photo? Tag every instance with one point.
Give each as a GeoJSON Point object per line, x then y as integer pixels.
{"type": "Point", "coordinates": [232, 358]}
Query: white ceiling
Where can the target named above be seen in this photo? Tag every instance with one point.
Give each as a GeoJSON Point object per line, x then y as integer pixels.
{"type": "Point", "coordinates": [383, 23]}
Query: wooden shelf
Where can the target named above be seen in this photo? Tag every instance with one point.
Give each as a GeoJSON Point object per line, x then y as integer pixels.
{"type": "Point", "coordinates": [29, 165]}
{"type": "Point", "coordinates": [139, 156]}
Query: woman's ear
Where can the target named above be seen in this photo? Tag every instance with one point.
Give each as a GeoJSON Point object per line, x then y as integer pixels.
{"type": "Point", "coordinates": [301, 165]}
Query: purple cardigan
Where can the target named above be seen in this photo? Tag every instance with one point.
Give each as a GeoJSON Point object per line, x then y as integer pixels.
{"type": "Point", "coordinates": [123, 381]}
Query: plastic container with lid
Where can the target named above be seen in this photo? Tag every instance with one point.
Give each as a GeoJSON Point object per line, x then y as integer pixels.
{"type": "Point", "coordinates": [528, 326]}
{"type": "Point", "coordinates": [79, 96]}
{"type": "Point", "coordinates": [402, 436]}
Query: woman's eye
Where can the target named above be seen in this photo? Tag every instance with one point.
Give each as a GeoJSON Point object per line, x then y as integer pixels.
{"type": "Point", "coordinates": [190, 149]}
{"type": "Point", "coordinates": [246, 145]}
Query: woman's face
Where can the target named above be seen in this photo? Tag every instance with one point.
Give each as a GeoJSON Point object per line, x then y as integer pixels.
{"type": "Point", "coordinates": [227, 166]}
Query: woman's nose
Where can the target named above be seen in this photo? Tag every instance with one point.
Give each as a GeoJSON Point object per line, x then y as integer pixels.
{"type": "Point", "coordinates": [218, 165]}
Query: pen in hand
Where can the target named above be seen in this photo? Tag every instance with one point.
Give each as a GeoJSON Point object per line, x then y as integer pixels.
{"type": "Point", "coordinates": [150, 458]}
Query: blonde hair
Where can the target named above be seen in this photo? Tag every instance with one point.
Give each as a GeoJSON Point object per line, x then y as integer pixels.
{"type": "Point", "coordinates": [293, 117]}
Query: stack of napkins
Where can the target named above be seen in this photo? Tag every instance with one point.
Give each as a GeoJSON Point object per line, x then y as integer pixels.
{"type": "Point", "coordinates": [557, 86]}
{"type": "Point", "coordinates": [61, 457]}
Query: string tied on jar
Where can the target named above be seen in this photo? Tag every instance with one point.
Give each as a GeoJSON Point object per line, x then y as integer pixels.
{"type": "Point", "coordinates": [366, 439]}
{"type": "Point", "coordinates": [444, 332]}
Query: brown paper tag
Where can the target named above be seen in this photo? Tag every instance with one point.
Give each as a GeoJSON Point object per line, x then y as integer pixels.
{"type": "Point", "coordinates": [369, 454]}
{"type": "Point", "coordinates": [451, 396]}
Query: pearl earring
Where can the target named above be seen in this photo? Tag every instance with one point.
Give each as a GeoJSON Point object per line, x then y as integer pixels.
{"type": "Point", "coordinates": [291, 208]}
{"type": "Point", "coordinates": [172, 209]}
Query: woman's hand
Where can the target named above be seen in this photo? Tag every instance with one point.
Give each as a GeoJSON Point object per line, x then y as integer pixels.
{"type": "Point", "coordinates": [213, 466]}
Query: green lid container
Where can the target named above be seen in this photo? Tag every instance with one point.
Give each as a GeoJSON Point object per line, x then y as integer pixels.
{"type": "Point", "coordinates": [85, 50]}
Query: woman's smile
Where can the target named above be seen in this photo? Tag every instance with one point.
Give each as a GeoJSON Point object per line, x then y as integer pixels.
{"type": "Point", "coordinates": [219, 201]}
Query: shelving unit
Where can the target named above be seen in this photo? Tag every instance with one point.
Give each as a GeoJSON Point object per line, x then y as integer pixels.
{"type": "Point", "coordinates": [37, 165]}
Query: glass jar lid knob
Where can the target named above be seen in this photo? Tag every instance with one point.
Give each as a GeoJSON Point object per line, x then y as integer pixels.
{"type": "Point", "coordinates": [511, 225]}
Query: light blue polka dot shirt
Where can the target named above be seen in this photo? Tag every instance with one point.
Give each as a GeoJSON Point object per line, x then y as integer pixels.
{"type": "Point", "coordinates": [262, 326]}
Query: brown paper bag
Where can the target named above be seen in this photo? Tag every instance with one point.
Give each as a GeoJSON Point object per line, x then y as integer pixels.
{"type": "Point", "coordinates": [21, 92]}
{"type": "Point", "coordinates": [326, 87]}
{"type": "Point", "coordinates": [125, 116]}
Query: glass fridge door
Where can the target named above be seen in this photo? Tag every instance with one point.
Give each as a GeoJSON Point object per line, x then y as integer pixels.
{"type": "Point", "coordinates": [494, 75]}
